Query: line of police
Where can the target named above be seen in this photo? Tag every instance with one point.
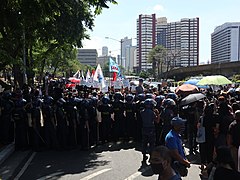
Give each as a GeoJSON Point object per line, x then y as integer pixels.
{"type": "Point", "coordinates": [61, 121]}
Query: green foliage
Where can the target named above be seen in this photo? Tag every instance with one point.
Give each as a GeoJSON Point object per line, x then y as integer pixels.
{"type": "Point", "coordinates": [144, 74]}
{"type": "Point", "coordinates": [48, 31]}
{"type": "Point", "coordinates": [157, 57]}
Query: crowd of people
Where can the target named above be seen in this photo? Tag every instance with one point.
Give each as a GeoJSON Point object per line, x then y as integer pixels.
{"type": "Point", "coordinates": [58, 118]}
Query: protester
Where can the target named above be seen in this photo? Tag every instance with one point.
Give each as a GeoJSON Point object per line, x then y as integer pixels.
{"type": "Point", "coordinates": [206, 148]}
{"type": "Point", "coordinates": [225, 165]}
{"type": "Point", "coordinates": [234, 137]}
{"type": "Point", "coordinates": [140, 88]}
{"type": "Point", "coordinates": [174, 143]}
{"type": "Point", "coordinates": [160, 162]}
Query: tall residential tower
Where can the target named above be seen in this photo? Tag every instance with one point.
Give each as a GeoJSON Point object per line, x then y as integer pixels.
{"type": "Point", "coordinates": [180, 38]}
{"type": "Point", "coordinates": [146, 39]}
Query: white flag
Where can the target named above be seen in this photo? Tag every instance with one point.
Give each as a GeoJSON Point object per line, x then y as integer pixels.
{"type": "Point", "coordinates": [77, 74]}
{"type": "Point", "coordinates": [88, 76]}
{"type": "Point", "coordinates": [98, 76]}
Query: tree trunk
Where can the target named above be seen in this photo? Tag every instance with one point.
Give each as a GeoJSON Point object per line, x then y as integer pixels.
{"type": "Point", "coordinates": [18, 76]}
{"type": "Point", "coordinates": [42, 69]}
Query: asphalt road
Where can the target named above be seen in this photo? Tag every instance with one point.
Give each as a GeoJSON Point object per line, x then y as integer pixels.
{"type": "Point", "coordinates": [113, 161]}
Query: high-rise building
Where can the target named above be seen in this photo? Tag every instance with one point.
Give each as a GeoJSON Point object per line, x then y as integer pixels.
{"type": "Point", "coordinates": [183, 42]}
{"type": "Point", "coordinates": [87, 56]}
{"type": "Point", "coordinates": [104, 51]}
{"type": "Point", "coordinates": [225, 43]}
{"type": "Point", "coordinates": [162, 31]}
{"type": "Point", "coordinates": [130, 58]}
{"type": "Point", "coordinates": [146, 40]}
{"type": "Point", "coordinates": [125, 43]}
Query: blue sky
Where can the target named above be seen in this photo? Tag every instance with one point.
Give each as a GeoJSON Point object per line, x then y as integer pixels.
{"type": "Point", "coordinates": [119, 20]}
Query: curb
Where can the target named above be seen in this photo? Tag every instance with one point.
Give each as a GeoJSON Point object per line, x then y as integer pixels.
{"type": "Point", "coordinates": [13, 164]}
{"type": "Point", "coordinates": [6, 152]}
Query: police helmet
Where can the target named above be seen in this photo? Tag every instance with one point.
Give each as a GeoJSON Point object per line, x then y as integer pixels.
{"type": "Point", "coordinates": [169, 102]}
{"type": "Point", "coordinates": [6, 95]}
{"type": "Point", "coordinates": [118, 96]}
{"type": "Point", "coordinates": [94, 101]}
{"type": "Point", "coordinates": [149, 96]}
{"type": "Point", "coordinates": [141, 97]}
{"type": "Point", "coordinates": [149, 103]}
{"type": "Point", "coordinates": [105, 99]}
{"type": "Point", "coordinates": [159, 99]}
{"type": "Point", "coordinates": [172, 96]}
{"type": "Point", "coordinates": [129, 97]}
{"type": "Point", "coordinates": [48, 100]}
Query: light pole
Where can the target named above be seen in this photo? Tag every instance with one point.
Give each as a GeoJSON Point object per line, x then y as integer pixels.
{"type": "Point", "coordinates": [121, 41]}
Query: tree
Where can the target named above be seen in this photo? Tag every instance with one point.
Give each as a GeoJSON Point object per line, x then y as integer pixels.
{"type": "Point", "coordinates": [24, 24]}
{"type": "Point", "coordinates": [157, 56]}
{"type": "Point", "coordinates": [171, 60]}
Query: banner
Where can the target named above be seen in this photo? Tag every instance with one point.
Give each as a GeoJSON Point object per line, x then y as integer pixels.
{"type": "Point", "coordinates": [117, 84]}
{"type": "Point", "coordinates": [113, 66]}
{"type": "Point", "coordinates": [126, 83]}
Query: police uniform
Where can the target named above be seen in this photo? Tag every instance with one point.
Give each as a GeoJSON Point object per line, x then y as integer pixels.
{"type": "Point", "coordinates": [130, 111]}
{"type": "Point", "coordinates": [49, 122]}
{"type": "Point", "coordinates": [106, 121]}
{"type": "Point", "coordinates": [148, 128]}
{"type": "Point", "coordinates": [20, 120]}
{"type": "Point", "coordinates": [119, 118]}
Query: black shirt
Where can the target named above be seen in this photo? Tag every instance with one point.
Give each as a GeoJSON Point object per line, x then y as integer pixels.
{"type": "Point", "coordinates": [222, 173]}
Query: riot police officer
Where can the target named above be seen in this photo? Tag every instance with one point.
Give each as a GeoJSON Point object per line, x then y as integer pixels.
{"type": "Point", "coordinates": [106, 121]}
{"type": "Point", "coordinates": [49, 122]}
{"type": "Point", "coordinates": [62, 128]}
{"type": "Point", "coordinates": [166, 116]}
{"type": "Point", "coordinates": [139, 107]}
{"type": "Point", "coordinates": [20, 120]}
{"type": "Point", "coordinates": [149, 116]}
{"type": "Point", "coordinates": [130, 109]}
{"type": "Point", "coordinates": [71, 110]}
{"type": "Point", "coordinates": [7, 107]}
{"type": "Point", "coordinates": [35, 105]}
{"type": "Point", "coordinates": [158, 124]}
{"type": "Point", "coordinates": [119, 118]}
{"type": "Point", "coordinates": [92, 111]}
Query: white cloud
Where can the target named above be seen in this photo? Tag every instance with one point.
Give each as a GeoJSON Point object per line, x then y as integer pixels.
{"type": "Point", "coordinates": [158, 8]}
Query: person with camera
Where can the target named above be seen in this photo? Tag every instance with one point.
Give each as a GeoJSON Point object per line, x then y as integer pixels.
{"type": "Point", "coordinates": [174, 143]}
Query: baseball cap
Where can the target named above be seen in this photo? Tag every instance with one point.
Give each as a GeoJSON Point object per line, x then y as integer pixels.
{"type": "Point", "coordinates": [177, 121]}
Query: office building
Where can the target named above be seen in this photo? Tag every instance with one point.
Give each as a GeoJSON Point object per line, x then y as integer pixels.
{"type": "Point", "coordinates": [103, 60]}
{"type": "Point", "coordinates": [87, 56]}
{"type": "Point", "coordinates": [225, 43]}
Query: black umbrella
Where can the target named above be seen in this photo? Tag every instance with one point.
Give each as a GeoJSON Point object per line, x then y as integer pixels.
{"type": "Point", "coordinates": [192, 98]}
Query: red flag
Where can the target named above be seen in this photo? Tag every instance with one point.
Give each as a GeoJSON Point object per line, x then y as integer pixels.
{"type": "Point", "coordinates": [114, 76]}
{"type": "Point", "coordinates": [93, 72]}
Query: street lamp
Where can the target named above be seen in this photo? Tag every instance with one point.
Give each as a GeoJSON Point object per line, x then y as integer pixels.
{"type": "Point", "coordinates": [121, 41]}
